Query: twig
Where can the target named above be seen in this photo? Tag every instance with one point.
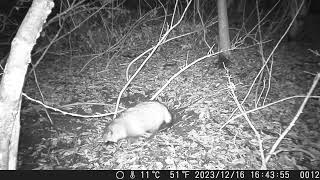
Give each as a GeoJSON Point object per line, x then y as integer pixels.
{"type": "Point", "coordinates": [120, 41]}
{"type": "Point", "coordinates": [42, 97]}
{"type": "Point", "coordinates": [315, 52]}
{"type": "Point", "coordinates": [296, 149]}
{"type": "Point", "coordinates": [142, 54]}
{"type": "Point", "coordinates": [260, 21]}
{"type": "Point", "coordinates": [242, 110]}
{"type": "Point", "coordinates": [67, 113]}
{"type": "Point", "coordinates": [271, 54]}
{"type": "Point", "coordinates": [183, 69]}
{"type": "Point", "coordinates": [262, 107]}
{"type": "Point", "coordinates": [162, 39]}
{"type": "Point", "coordinates": [85, 103]}
{"type": "Point", "coordinates": [265, 64]}
{"type": "Point", "coordinates": [276, 144]}
{"type": "Point", "coordinates": [203, 25]}
{"type": "Point", "coordinates": [46, 48]}
{"type": "Point", "coordinates": [73, 29]}
{"type": "Point", "coordinates": [269, 82]}
{"type": "Point", "coordinates": [257, 98]}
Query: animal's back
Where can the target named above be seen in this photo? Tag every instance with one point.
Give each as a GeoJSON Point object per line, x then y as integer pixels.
{"type": "Point", "coordinates": [146, 116]}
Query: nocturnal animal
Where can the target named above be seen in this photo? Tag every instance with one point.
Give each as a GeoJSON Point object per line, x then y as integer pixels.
{"type": "Point", "coordinates": [144, 119]}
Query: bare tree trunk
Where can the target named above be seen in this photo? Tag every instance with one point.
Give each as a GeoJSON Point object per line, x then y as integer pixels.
{"type": "Point", "coordinates": [13, 79]}
{"type": "Point", "coordinates": [298, 23]}
{"type": "Point", "coordinates": [224, 39]}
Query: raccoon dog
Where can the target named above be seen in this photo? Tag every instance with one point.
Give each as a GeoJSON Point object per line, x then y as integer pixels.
{"type": "Point", "coordinates": [141, 120]}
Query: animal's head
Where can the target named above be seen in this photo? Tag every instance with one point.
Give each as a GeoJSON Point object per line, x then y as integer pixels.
{"type": "Point", "coordinates": [114, 133]}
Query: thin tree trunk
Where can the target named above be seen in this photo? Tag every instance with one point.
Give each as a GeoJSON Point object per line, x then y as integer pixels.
{"type": "Point", "coordinates": [13, 79]}
{"type": "Point", "coordinates": [224, 39]}
{"type": "Point", "coordinates": [298, 23]}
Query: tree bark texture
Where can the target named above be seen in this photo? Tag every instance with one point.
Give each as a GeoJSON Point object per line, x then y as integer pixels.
{"type": "Point", "coordinates": [13, 79]}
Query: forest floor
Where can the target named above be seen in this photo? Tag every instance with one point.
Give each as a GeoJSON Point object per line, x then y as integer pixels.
{"type": "Point", "coordinates": [199, 99]}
